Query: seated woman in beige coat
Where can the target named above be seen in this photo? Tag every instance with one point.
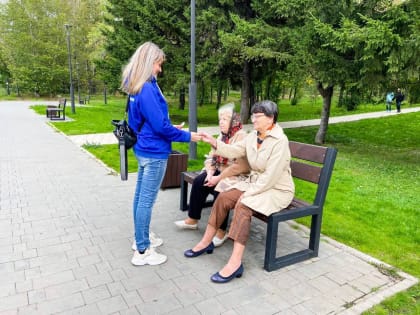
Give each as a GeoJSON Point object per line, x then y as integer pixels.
{"type": "Point", "coordinates": [267, 189]}
{"type": "Point", "coordinates": [217, 173]}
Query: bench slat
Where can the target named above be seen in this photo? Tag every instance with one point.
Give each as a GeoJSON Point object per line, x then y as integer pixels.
{"type": "Point", "coordinates": [307, 152]}
{"type": "Point", "coordinates": [190, 176]}
{"type": "Point", "coordinates": [306, 172]}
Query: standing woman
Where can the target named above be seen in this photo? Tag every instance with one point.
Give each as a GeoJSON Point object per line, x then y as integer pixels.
{"type": "Point", "coordinates": [148, 115]}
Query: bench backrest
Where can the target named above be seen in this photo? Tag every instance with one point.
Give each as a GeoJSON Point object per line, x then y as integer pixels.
{"type": "Point", "coordinates": [62, 103]}
{"type": "Point", "coordinates": [313, 164]}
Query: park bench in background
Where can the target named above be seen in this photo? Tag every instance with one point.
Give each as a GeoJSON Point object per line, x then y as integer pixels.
{"type": "Point", "coordinates": [84, 100]}
{"type": "Point", "coordinates": [311, 164]}
{"type": "Point", "coordinates": [57, 112]}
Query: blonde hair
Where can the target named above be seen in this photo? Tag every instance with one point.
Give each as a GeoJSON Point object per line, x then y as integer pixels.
{"type": "Point", "coordinates": [226, 109]}
{"type": "Point", "coordinates": [140, 67]}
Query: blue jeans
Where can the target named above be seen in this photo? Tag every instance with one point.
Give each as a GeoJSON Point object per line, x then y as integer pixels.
{"type": "Point", "coordinates": [149, 178]}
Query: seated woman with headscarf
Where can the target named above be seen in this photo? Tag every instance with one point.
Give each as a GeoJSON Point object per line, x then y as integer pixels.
{"type": "Point", "coordinates": [218, 174]}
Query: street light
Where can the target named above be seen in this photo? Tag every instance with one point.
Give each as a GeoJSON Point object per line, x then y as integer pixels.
{"type": "Point", "coordinates": [192, 113]}
{"type": "Point", "coordinates": [7, 86]}
{"type": "Point", "coordinates": [73, 109]}
{"type": "Point", "coordinates": [78, 81]}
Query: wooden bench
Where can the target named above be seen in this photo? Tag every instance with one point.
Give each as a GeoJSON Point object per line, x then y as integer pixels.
{"type": "Point", "coordinates": [188, 178]}
{"type": "Point", "coordinates": [57, 112]}
{"type": "Point", "coordinates": [84, 100]}
{"type": "Point", "coordinates": [311, 164]}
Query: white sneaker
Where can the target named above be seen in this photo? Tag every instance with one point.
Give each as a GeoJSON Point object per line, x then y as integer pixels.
{"type": "Point", "coordinates": [219, 241]}
{"type": "Point", "coordinates": [150, 257]}
{"type": "Point", "coordinates": [154, 241]}
{"type": "Point", "coordinates": [184, 226]}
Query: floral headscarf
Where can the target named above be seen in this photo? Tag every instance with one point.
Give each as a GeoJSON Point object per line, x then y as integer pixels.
{"type": "Point", "coordinates": [235, 126]}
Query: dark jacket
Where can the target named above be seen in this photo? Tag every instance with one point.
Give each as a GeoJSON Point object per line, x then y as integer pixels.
{"type": "Point", "coordinates": [399, 97]}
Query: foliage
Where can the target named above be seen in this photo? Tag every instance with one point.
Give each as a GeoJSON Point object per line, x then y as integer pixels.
{"type": "Point", "coordinates": [42, 66]}
{"type": "Point", "coordinates": [134, 22]}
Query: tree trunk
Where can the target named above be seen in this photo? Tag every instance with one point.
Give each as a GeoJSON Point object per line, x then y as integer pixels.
{"type": "Point", "coordinates": [226, 92]}
{"type": "Point", "coordinates": [326, 94]}
{"type": "Point", "coordinates": [219, 94]}
{"type": "Point", "coordinates": [268, 85]}
{"type": "Point", "coordinates": [202, 92]}
{"type": "Point", "coordinates": [252, 95]}
{"type": "Point", "coordinates": [341, 95]}
{"type": "Point", "coordinates": [182, 98]}
{"type": "Point", "coordinates": [245, 91]}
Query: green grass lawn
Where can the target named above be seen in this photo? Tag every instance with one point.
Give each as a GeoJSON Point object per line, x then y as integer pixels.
{"type": "Point", "coordinates": [95, 117]}
{"type": "Point", "coordinates": [374, 196]}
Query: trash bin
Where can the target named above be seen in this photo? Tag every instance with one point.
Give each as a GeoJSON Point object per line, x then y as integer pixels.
{"type": "Point", "coordinates": [177, 163]}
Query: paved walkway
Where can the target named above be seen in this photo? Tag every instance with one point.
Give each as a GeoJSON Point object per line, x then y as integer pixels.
{"type": "Point", "coordinates": [66, 234]}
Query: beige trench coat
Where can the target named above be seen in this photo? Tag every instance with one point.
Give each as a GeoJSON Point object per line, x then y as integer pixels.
{"type": "Point", "coordinates": [269, 187]}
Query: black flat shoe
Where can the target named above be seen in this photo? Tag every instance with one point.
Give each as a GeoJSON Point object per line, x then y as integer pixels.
{"type": "Point", "coordinates": [190, 253]}
{"type": "Point", "coordinates": [220, 279]}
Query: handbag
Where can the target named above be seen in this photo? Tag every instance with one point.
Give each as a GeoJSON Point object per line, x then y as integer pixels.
{"type": "Point", "coordinates": [127, 138]}
{"type": "Point", "coordinates": [124, 133]}
{"type": "Point", "coordinates": [122, 130]}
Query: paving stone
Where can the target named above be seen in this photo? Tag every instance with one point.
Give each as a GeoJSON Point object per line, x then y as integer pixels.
{"type": "Point", "coordinates": [23, 286]}
{"type": "Point", "coordinates": [66, 303]}
{"type": "Point", "coordinates": [96, 294]}
{"type": "Point", "coordinates": [113, 304]}
{"type": "Point", "coordinates": [149, 293]}
{"type": "Point", "coordinates": [7, 289]}
{"type": "Point", "coordinates": [99, 279]}
{"type": "Point", "coordinates": [53, 279]}
{"type": "Point", "coordinates": [8, 303]}
{"type": "Point", "coordinates": [161, 305]}
{"type": "Point", "coordinates": [65, 289]}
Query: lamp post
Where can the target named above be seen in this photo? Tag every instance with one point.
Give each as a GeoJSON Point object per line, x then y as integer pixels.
{"type": "Point", "coordinates": [78, 81]}
{"type": "Point", "coordinates": [73, 109]}
{"type": "Point", "coordinates": [105, 100]}
{"type": "Point", "coordinates": [192, 113]}
{"type": "Point", "coordinates": [7, 86]}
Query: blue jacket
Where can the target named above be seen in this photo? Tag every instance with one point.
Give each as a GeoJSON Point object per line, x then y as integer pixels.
{"type": "Point", "coordinates": [157, 133]}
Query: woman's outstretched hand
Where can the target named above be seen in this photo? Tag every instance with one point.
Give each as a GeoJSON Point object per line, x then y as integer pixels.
{"type": "Point", "coordinates": [195, 137]}
{"type": "Point", "coordinates": [208, 138]}
{"type": "Point", "coordinates": [180, 126]}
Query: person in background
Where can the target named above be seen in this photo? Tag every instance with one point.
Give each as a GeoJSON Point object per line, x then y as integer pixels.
{"type": "Point", "coordinates": [215, 169]}
{"type": "Point", "coordinates": [399, 97]}
{"type": "Point", "coordinates": [389, 99]}
{"type": "Point", "coordinates": [267, 189]}
{"type": "Point", "coordinates": [149, 109]}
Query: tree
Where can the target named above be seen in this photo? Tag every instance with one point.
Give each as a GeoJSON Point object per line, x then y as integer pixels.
{"type": "Point", "coordinates": [130, 23]}
{"type": "Point", "coordinates": [259, 48]}
{"type": "Point", "coordinates": [345, 43]}
{"type": "Point", "coordinates": [41, 66]}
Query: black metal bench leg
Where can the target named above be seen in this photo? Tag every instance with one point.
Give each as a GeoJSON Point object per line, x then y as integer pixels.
{"type": "Point", "coordinates": [315, 233]}
{"type": "Point", "coordinates": [183, 205]}
{"type": "Point", "coordinates": [271, 244]}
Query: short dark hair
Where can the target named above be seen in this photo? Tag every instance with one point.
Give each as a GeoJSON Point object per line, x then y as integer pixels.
{"type": "Point", "coordinates": [268, 108]}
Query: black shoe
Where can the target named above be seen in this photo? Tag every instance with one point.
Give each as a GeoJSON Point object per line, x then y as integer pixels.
{"type": "Point", "coordinates": [220, 279]}
{"type": "Point", "coordinates": [190, 253]}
